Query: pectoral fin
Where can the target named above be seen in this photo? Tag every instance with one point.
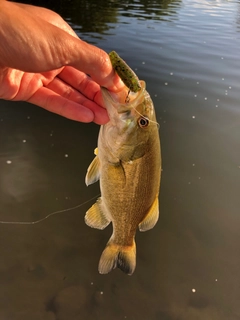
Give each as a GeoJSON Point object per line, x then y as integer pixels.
{"type": "Point", "coordinates": [93, 171]}
{"type": "Point", "coordinates": [151, 218]}
{"type": "Point", "coordinates": [95, 218]}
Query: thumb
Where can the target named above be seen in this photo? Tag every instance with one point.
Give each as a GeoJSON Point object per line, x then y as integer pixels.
{"type": "Point", "coordinates": [96, 63]}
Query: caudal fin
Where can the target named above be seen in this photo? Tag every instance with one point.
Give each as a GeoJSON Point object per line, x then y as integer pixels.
{"type": "Point", "coordinates": [122, 257]}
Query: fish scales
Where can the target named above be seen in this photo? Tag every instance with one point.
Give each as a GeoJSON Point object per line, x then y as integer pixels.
{"type": "Point", "coordinates": [132, 196]}
{"type": "Point", "coordinates": [128, 164]}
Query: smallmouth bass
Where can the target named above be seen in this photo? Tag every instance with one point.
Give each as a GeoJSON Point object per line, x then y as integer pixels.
{"type": "Point", "coordinates": [128, 164]}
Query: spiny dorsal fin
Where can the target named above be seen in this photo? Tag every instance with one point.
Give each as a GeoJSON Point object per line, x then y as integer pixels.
{"type": "Point", "coordinates": [151, 218]}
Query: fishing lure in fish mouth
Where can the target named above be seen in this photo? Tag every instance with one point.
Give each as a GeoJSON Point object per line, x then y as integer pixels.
{"type": "Point", "coordinates": [126, 74]}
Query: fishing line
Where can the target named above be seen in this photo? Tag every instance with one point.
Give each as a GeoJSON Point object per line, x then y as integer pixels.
{"type": "Point", "coordinates": [48, 216]}
{"type": "Point", "coordinates": [151, 121]}
{"type": "Point", "coordinates": [158, 125]}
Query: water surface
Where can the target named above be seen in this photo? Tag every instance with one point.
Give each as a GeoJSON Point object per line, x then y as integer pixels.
{"type": "Point", "coordinates": [188, 265]}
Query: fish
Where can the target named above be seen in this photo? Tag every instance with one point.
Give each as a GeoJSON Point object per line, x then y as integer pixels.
{"type": "Point", "coordinates": [127, 164]}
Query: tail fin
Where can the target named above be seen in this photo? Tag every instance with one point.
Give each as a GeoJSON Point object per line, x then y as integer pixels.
{"type": "Point", "coordinates": [122, 257]}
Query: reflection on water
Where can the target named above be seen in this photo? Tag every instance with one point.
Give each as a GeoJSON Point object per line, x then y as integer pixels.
{"type": "Point", "coordinates": [188, 265]}
{"type": "Point", "coordinates": [156, 10]}
{"type": "Point", "coordinates": [98, 17]}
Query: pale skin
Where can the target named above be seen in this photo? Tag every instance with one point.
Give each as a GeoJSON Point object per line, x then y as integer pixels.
{"type": "Point", "coordinates": [42, 61]}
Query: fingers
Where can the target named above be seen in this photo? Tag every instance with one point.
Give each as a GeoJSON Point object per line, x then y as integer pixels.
{"type": "Point", "coordinates": [42, 46]}
{"type": "Point", "coordinates": [97, 64]}
{"type": "Point", "coordinates": [56, 95]}
{"type": "Point", "coordinates": [87, 92]}
{"type": "Point", "coordinates": [51, 101]}
{"type": "Point", "coordinates": [76, 86]}
{"type": "Point", "coordinates": [82, 83]}
{"type": "Point", "coordinates": [81, 109]}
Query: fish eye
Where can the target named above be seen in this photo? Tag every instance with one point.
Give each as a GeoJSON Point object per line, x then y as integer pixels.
{"type": "Point", "coordinates": [143, 122]}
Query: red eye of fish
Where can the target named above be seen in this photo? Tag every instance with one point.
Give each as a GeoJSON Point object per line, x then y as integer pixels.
{"type": "Point", "coordinates": [143, 122]}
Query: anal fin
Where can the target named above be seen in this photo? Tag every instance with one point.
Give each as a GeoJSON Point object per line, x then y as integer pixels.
{"type": "Point", "coordinates": [151, 218]}
{"type": "Point", "coordinates": [95, 218]}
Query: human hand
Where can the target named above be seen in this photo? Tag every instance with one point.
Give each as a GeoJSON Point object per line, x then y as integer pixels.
{"type": "Point", "coordinates": [66, 91]}
{"type": "Point", "coordinates": [40, 62]}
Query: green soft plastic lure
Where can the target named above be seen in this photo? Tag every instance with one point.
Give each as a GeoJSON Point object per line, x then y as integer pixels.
{"type": "Point", "coordinates": [126, 74]}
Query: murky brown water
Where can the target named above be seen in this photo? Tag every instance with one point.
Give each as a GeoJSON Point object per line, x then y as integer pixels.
{"type": "Point", "coordinates": [188, 265]}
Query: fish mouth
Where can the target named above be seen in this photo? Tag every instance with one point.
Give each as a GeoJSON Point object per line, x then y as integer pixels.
{"type": "Point", "coordinates": [123, 100]}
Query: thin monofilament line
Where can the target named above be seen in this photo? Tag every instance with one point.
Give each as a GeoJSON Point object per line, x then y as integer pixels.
{"type": "Point", "coordinates": [155, 122]}
{"type": "Point", "coordinates": [46, 217]}
{"type": "Point", "coordinates": [151, 121]}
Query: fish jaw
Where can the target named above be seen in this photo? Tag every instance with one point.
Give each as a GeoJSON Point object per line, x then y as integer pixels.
{"type": "Point", "coordinates": [122, 135]}
{"type": "Point", "coordinates": [117, 107]}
